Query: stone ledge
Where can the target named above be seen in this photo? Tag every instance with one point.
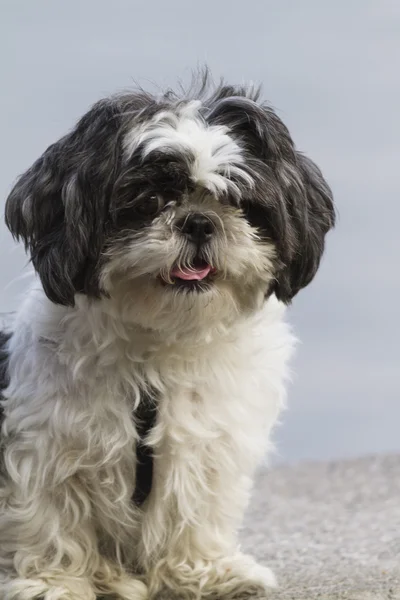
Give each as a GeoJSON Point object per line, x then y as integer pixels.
{"type": "Point", "coordinates": [329, 531]}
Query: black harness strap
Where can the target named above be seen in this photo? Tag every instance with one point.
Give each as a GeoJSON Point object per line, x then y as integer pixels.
{"type": "Point", "coordinates": [4, 380]}
{"type": "Point", "coordinates": [4, 337]}
{"type": "Point", "coordinates": [145, 419]}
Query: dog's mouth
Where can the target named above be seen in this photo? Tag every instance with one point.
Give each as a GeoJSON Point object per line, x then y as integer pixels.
{"type": "Point", "coordinates": [199, 271]}
{"type": "Point", "coordinates": [195, 276]}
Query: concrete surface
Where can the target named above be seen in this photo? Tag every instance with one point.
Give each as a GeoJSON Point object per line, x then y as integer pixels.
{"type": "Point", "coordinates": [329, 531]}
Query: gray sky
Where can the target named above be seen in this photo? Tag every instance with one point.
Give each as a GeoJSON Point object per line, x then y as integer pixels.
{"type": "Point", "coordinates": [331, 70]}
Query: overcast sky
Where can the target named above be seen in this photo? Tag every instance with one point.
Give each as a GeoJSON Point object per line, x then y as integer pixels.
{"type": "Point", "coordinates": [331, 70]}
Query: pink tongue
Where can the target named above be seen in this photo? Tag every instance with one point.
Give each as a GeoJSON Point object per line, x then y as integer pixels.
{"type": "Point", "coordinates": [193, 274]}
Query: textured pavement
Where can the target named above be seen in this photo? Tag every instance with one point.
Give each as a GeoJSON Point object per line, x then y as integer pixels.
{"type": "Point", "coordinates": [329, 531]}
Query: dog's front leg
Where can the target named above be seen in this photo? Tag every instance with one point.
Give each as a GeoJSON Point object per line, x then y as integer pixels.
{"type": "Point", "coordinates": [65, 511]}
{"type": "Point", "coordinates": [204, 464]}
{"type": "Point", "coordinates": [48, 545]}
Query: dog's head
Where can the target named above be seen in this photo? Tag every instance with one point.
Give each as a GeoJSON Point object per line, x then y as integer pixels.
{"type": "Point", "coordinates": [177, 205]}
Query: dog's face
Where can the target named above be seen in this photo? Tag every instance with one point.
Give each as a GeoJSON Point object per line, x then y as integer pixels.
{"type": "Point", "coordinates": [183, 211]}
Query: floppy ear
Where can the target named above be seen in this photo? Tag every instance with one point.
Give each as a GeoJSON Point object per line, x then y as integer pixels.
{"type": "Point", "coordinates": [59, 206]}
{"type": "Point", "coordinates": [310, 215]}
{"type": "Point", "coordinates": [291, 203]}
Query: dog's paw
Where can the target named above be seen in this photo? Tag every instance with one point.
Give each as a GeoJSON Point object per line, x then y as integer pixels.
{"type": "Point", "coordinates": [234, 578]}
{"type": "Point", "coordinates": [240, 577]}
{"type": "Point", "coordinates": [127, 588]}
{"type": "Point", "coordinates": [247, 590]}
{"type": "Point", "coordinates": [41, 589]}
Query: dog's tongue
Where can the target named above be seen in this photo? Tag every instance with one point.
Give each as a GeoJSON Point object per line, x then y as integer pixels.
{"type": "Point", "coordinates": [192, 274]}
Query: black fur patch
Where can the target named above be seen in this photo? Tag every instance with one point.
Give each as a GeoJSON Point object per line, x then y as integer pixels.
{"type": "Point", "coordinates": [145, 418]}
{"type": "Point", "coordinates": [162, 176]}
{"type": "Point", "coordinates": [4, 338]}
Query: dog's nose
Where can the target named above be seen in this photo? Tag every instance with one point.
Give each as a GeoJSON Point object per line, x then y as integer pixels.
{"type": "Point", "coordinates": [197, 227]}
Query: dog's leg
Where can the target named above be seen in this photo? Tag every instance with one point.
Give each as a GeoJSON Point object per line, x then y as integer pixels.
{"type": "Point", "coordinates": [48, 546]}
{"type": "Point", "coordinates": [206, 450]}
{"type": "Point", "coordinates": [195, 529]}
{"type": "Point", "coordinates": [58, 500]}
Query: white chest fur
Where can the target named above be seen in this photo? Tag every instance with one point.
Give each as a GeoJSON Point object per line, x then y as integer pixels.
{"type": "Point", "coordinates": [76, 379]}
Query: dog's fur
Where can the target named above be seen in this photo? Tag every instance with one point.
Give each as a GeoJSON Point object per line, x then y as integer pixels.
{"type": "Point", "coordinates": [111, 333]}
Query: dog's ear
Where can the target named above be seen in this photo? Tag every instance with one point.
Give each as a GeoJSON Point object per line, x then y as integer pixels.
{"type": "Point", "coordinates": [291, 203]}
{"type": "Point", "coordinates": [60, 205]}
{"type": "Point", "coordinates": [310, 215]}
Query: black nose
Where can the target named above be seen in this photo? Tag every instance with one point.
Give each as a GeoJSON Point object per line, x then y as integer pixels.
{"type": "Point", "coordinates": [197, 228]}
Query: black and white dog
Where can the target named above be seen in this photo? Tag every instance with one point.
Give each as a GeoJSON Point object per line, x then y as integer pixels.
{"type": "Point", "coordinates": [146, 369]}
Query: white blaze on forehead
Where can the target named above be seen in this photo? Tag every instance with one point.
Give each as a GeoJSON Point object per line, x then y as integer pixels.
{"type": "Point", "coordinates": [216, 155]}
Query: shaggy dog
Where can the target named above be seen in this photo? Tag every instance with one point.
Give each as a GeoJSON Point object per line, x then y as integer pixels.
{"type": "Point", "coordinates": [146, 367]}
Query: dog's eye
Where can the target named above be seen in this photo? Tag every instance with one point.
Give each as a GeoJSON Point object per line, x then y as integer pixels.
{"type": "Point", "coordinates": [258, 217]}
{"type": "Point", "coordinates": [148, 205]}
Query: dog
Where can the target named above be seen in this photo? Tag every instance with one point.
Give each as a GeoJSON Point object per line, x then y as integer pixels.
{"type": "Point", "coordinates": [147, 365]}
